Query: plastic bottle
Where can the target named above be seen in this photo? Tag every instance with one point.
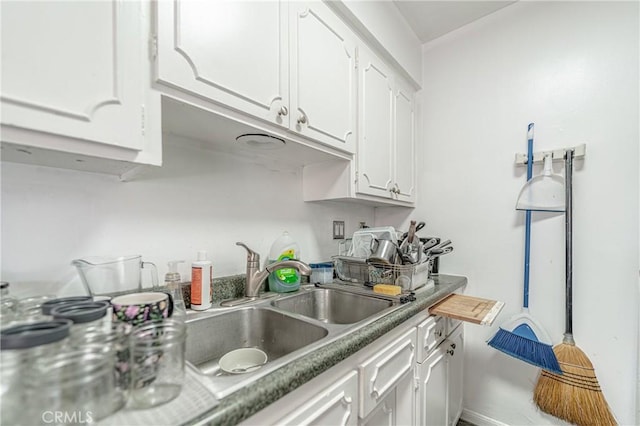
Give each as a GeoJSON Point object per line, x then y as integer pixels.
{"type": "Point", "coordinates": [286, 279]}
{"type": "Point", "coordinates": [201, 273]}
{"type": "Point", "coordinates": [173, 280]}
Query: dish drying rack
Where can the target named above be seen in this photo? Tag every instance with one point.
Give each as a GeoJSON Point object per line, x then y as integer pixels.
{"type": "Point", "coordinates": [355, 270]}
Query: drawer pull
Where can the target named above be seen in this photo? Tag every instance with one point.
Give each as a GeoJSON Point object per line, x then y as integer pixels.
{"type": "Point", "coordinates": [283, 111]}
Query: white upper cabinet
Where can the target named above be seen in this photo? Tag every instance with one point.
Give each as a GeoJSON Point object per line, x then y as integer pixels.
{"type": "Point", "coordinates": [404, 142]}
{"type": "Point", "coordinates": [386, 144]}
{"type": "Point", "coordinates": [375, 150]}
{"type": "Point", "coordinates": [234, 53]}
{"type": "Point", "coordinates": [291, 64]}
{"type": "Point", "coordinates": [73, 77]}
{"type": "Point", "coordinates": [323, 75]}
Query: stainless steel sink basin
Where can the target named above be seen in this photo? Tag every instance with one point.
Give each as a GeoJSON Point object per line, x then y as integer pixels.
{"type": "Point", "coordinates": [209, 338]}
{"type": "Point", "coordinates": [287, 329]}
{"type": "Point", "coordinates": [332, 306]}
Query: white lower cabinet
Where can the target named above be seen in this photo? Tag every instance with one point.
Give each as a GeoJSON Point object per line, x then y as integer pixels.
{"type": "Point", "coordinates": [455, 350]}
{"type": "Point", "coordinates": [440, 383]}
{"type": "Point", "coordinates": [385, 383]}
{"type": "Point", "coordinates": [335, 405]}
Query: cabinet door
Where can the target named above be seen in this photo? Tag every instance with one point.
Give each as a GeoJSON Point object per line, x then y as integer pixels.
{"type": "Point", "coordinates": [323, 77]}
{"type": "Point", "coordinates": [455, 349]}
{"type": "Point", "coordinates": [382, 372]}
{"type": "Point", "coordinates": [336, 405]}
{"type": "Point", "coordinates": [227, 51]}
{"type": "Point", "coordinates": [432, 395]}
{"type": "Point", "coordinates": [405, 151]}
{"type": "Point", "coordinates": [375, 120]}
{"type": "Point", "coordinates": [74, 69]}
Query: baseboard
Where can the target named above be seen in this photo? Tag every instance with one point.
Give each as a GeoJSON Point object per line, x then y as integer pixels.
{"type": "Point", "coordinates": [478, 419]}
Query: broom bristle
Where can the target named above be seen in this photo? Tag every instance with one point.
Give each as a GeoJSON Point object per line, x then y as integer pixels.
{"type": "Point", "coordinates": [574, 396]}
{"type": "Point", "coordinates": [532, 351]}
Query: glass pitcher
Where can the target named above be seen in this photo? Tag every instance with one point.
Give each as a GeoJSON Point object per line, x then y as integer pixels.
{"type": "Point", "coordinates": [105, 275]}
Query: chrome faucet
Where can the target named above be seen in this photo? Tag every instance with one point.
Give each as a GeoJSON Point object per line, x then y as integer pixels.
{"type": "Point", "coordinates": [256, 277]}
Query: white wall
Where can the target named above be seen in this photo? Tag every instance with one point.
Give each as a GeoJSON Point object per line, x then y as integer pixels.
{"type": "Point", "coordinates": [572, 69]}
{"type": "Point", "coordinates": [198, 200]}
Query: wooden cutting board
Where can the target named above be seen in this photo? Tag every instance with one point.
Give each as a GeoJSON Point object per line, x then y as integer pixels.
{"type": "Point", "coordinates": [467, 308]}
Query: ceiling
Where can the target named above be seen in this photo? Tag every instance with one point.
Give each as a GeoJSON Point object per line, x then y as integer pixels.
{"type": "Point", "coordinates": [431, 19]}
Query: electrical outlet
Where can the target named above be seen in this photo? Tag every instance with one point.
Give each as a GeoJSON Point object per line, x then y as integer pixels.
{"type": "Point", "coordinates": [338, 229]}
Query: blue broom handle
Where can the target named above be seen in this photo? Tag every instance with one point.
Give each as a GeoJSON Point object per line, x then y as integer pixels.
{"type": "Point", "coordinates": [527, 219]}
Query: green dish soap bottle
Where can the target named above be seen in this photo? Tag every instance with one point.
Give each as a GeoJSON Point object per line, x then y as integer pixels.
{"type": "Point", "coordinates": [284, 280]}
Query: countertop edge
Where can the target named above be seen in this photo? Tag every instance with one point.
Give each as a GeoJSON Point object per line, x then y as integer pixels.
{"type": "Point", "coordinates": [246, 402]}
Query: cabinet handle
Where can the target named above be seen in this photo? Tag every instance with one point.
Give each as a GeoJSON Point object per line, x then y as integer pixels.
{"type": "Point", "coordinates": [450, 352]}
{"type": "Point", "coordinates": [302, 119]}
{"type": "Point", "coordinates": [438, 333]}
{"type": "Point", "coordinates": [346, 399]}
{"type": "Point", "coordinates": [453, 346]}
{"type": "Point", "coordinates": [283, 111]}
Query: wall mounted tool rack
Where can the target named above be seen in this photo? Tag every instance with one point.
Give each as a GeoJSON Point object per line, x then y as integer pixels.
{"type": "Point", "coordinates": [557, 154]}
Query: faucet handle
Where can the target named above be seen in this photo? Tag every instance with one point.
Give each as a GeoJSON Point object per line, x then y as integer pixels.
{"type": "Point", "coordinates": [252, 256]}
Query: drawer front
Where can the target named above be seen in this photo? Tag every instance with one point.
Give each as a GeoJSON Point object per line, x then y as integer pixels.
{"type": "Point", "coordinates": [382, 372]}
{"type": "Point", "coordinates": [430, 333]}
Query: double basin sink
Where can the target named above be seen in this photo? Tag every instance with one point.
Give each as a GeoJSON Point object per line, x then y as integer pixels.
{"type": "Point", "coordinates": [286, 328]}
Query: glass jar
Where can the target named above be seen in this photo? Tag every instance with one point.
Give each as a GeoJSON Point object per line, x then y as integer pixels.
{"type": "Point", "coordinates": [113, 342]}
{"type": "Point", "coordinates": [48, 306]}
{"type": "Point", "coordinates": [73, 386]}
{"type": "Point", "coordinates": [157, 362]}
{"type": "Point", "coordinates": [8, 305]}
{"type": "Point", "coordinates": [21, 345]}
{"type": "Point", "coordinates": [86, 316]}
{"type": "Point", "coordinates": [30, 308]}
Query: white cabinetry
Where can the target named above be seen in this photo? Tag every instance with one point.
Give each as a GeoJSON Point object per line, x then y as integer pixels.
{"type": "Point", "coordinates": [432, 395]}
{"type": "Point", "coordinates": [289, 63]}
{"type": "Point", "coordinates": [334, 405]}
{"type": "Point", "coordinates": [386, 381]}
{"type": "Point", "coordinates": [386, 142]}
{"type": "Point", "coordinates": [440, 376]}
{"type": "Point", "coordinates": [455, 350]}
{"type": "Point", "coordinates": [74, 79]}
{"type": "Point", "coordinates": [410, 376]}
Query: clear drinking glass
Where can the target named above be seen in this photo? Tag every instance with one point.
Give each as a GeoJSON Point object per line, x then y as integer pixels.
{"type": "Point", "coordinates": [157, 356]}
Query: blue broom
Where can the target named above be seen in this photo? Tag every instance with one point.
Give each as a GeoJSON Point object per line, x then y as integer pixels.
{"type": "Point", "coordinates": [522, 337]}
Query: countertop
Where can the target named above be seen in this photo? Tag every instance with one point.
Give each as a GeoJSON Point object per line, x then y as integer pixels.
{"type": "Point", "coordinates": [242, 404]}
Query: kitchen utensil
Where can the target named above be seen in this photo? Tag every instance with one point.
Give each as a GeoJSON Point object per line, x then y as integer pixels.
{"type": "Point", "coordinates": [574, 394]}
{"type": "Point", "coordinates": [383, 251]}
{"type": "Point", "coordinates": [418, 227]}
{"type": "Point", "coordinates": [428, 243]}
{"type": "Point", "coordinates": [544, 192]}
{"type": "Point", "coordinates": [243, 360]}
{"type": "Point", "coordinates": [105, 275]}
{"type": "Point", "coordinates": [522, 337]}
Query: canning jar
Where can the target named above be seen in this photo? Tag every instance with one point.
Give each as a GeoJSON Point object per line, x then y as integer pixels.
{"type": "Point", "coordinates": [8, 305]}
{"type": "Point", "coordinates": [157, 357]}
{"type": "Point", "coordinates": [21, 345]}
{"type": "Point", "coordinates": [113, 342]}
{"type": "Point", "coordinates": [72, 386]}
{"type": "Point", "coordinates": [48, 306]}
{"type": "Point", "coordinates": [86, 316]}
{"type": "Point", "coordinates": [30, 308]}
